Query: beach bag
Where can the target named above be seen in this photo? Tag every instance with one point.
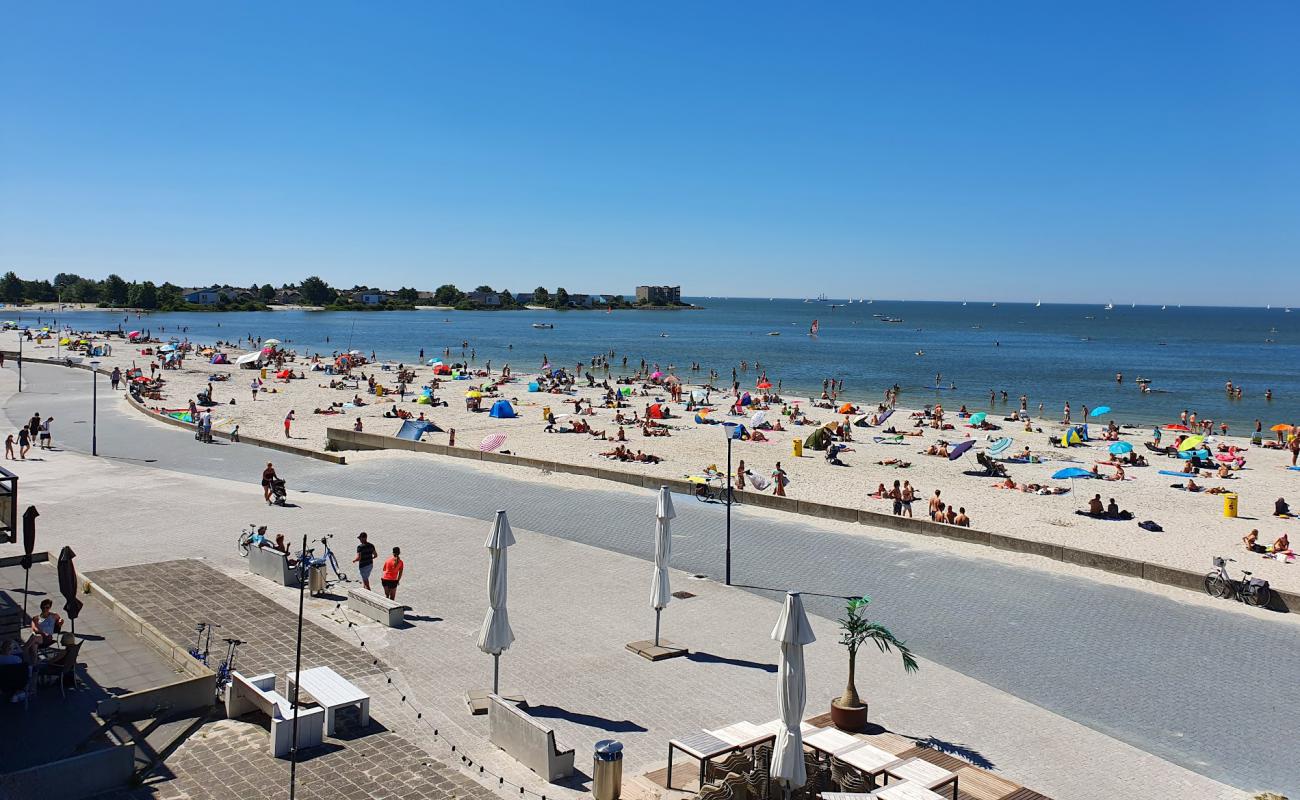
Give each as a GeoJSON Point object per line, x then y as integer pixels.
{"type": "Point", "coordinates": [1259, 584]}
{"type": "Point", "coordinates": [1150, 525]}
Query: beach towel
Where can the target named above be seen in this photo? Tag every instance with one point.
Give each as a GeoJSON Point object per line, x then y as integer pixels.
{"type": "Point", "coordinates": [1174, 473]}
{"type": "Point", "coordinates": [1149, 525]}
{"type": "Point", "coordinates": [759, 482]}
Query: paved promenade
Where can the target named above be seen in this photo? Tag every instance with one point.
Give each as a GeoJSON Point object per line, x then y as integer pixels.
{"type": "Point", "coordinates": [1137, 666]}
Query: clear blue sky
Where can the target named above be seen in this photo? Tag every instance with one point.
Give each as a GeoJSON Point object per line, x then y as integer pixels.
{"type": "Point", "coordinates": [1092, 151]}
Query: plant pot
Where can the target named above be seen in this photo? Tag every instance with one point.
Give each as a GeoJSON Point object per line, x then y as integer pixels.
{"type": "Point", "coordinates": [848, 718]}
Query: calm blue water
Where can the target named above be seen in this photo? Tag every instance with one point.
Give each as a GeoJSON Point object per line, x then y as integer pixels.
{"type": "Point", "coordinates": [1053, 353]}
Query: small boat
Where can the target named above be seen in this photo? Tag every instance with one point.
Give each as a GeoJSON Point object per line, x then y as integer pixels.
{"type": "Point", "coordinates": [543, 325]}
{"type": "Point", "coordinates": [774, 333]}
{"type": "Point", "coordinates": [1162, 308]}
{"type": "Point", "coordinates": [995, 305]}
{"type": "Point", "coordinates": [891, 319]}
{"type": "Point", "coordinates": [1110, 307]}
{"type": "Point", "coordinates": [1038, 304]}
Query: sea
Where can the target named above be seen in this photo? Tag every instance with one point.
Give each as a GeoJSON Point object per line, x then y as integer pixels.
{"type": "Point", "coordinates": [1053, 353]}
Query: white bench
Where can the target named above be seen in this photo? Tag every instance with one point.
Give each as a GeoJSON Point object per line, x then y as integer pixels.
{"type": "Point", "coordinates": [377, 607]}
{"type": "Point", "coordinates": [245, 695]}
{"type": "Point", "coordinates": [527, 740]}
{"type": "Point", "coordinates": [272, 564]}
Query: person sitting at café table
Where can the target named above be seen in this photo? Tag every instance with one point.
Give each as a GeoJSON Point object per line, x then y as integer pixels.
{"type": "Point", "coordinates": [44, 625]}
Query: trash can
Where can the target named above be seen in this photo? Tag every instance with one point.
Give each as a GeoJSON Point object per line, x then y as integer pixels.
{"type": "Point", "coordinates": [263, 373]}
{"type": "Point", "coordinates": [798, 448]}
{"type": "Point", "coordinates": [1230, 505]}
{"type": "Point", "coordinates": [546, 412]}
{"type": "Point", "coordinates": [607, 770]}
{"type": "Point", "coordinates": [316, 577]}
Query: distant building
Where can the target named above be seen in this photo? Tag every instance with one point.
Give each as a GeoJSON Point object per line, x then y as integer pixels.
{"type": "Point", "coordinates": [371, 298]}
{"type": "Point", "coordinates": [207, 297]}
{"type": "Point", "coordinates": [424, 298]}
{"type": "Point", "coordinates": [288, 297]}
{"type": "Point", "coordinates": [659, 295]}
{"type": "Point", "coordinates": [486, 299]}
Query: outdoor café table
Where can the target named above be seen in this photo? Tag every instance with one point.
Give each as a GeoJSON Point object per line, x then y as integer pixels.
{"type": "Point", "coordinates": [923, 773]}
{"type": "Point", "coordinates": [846, 796]}
{"type": "Point", "coordinates": [743, 734]}
{"type": "Point", "coordinates": [703, 746]}
{"type": "Point", "coordinates": [832, 742]}
{"type": "Point", "coordinates": [869, 760]}
{"type": "Point", "coordinates": [906, 791]}
{"type": "Point", "coordinates": [331, 692]}
{"type": "Point", "coordinates": [772, 726]}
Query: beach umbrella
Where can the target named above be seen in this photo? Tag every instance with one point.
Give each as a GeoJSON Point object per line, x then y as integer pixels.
{"type": "Point", "coordinates": [1120, 448]}
{"type": "Point", "coordinates": [976, 419]}
{"type": "Point", "coordinates": [1191, 443]}
{"type": "Point", "coordinates": [1099, 410]}
{"type": "Point", "coordinates": [657, 374]}
{"type": "Point", "coordinates": [660, 593]}
{"type": "Point", "coordinates": [495, 636]}
{"type": "Point", "coordinates": [793, 632]}
{"type": "Point", "coordinates": [764, 385]}
{"type": "Point", "coordinates": [1000, 446]}
{"type": "Point", "coordinates": [68, 585]}
{"type": "Point", "coordinates": [672, 379]}
{"type": "Point", "coordinates": [1177, 428]}
{"type": "Point", "coordinates": [29, 546]}
{"type": "Point", "coordinates": [1071, 473]}
{"type": "Point", "coordinates": [1278, 428]}
{"type": "Point", "coordinates": [758, 418]}
{"type": "Point", "coordinates": [473, 393]}
{"type": "Point", "coordinates": [961, 448]}
{"type": "Point", "coordinates": [491, 442]}
{"type": "Point", "coordinates": [270, 342]}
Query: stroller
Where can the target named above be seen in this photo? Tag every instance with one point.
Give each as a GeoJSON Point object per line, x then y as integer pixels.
{"type": "Point", "coordinates": [278, 493]}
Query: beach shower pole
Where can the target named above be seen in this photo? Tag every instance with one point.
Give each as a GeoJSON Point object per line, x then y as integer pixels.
{"type": "Point", "coordinates": [729, 429]}
{"type": "Point", "coordinates": [94, 408]}
{"type": "Point", "coordinates": [20, 361]}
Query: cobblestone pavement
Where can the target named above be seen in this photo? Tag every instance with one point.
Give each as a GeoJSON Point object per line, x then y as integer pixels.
{"type": "Point", "coordinates": [1135, 665]}
{"type": "Point", "coordinates": [231, 758]}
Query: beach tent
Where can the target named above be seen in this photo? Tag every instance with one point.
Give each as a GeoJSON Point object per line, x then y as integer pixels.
{"type": "Point", "coordinates": [249, 361]}
{"type": "Point", "coordinates": [219, 358]}
{"type": "Point", "coordinates": [847, 408]}
{"type": "Point", "coordinates": [746, 400]}
{"type": "Point", "coordinates": [1071, 437]}
{"type": "Point", "coordinates": [284, 373]}
{"type": "Point", "coordinates": [502, 409]}
{"type": "Point", "coordinates": [657, 411]}
{"type": "Point", "coordinates": [412, 429]}
{"type": "Point", "coordinates": [533, 387]}
{"type": "Point", "coordinates": [818, 439]}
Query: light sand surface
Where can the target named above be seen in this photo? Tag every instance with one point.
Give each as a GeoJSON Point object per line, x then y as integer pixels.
{"type": "Point", "coordinates": [1195, 529]}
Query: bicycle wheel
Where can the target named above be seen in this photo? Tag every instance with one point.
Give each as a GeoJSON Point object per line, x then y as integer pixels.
{"type": "Point", "coordinates": [1259, 597]}
{"type": "Point", "coordinates": [244, 540]}
{"type": "Point", "coordinates": [1216, 586]}
{"type": "Point", "coordinates": [334, 565]}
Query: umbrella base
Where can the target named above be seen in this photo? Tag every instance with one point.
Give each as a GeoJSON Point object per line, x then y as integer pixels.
{"type": "Point", "coordinates": [477, 700]}
{"type": "Point", "coordinates": [657, 652]}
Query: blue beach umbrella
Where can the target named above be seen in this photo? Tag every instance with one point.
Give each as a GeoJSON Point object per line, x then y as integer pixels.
{"type": "Point", "coordinates": [999, 447]}
{"type": "Point", "coordinates": [976, 419]}
{"type": "Point", "coordinates": [1099, 410]}
{"type": "Point", "coordinates": [961, 448]}
{"type": "Point", "coordinates": [1071, 473]}
{"type": "Point", "coordinates": [1120, 448]}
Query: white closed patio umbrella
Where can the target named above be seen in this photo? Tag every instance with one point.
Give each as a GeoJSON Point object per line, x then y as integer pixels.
{"type": "Point", "coordinates": [495, 636]}
{"type": "Point", "coordinates": [660, 592]}
{"type": "Point", "coordinates": [793, 632]}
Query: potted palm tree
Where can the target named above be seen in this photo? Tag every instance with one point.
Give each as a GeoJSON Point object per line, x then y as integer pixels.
{"type": "Point", "coordinates": [848, 712]}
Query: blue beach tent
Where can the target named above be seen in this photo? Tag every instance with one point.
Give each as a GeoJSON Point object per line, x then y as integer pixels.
{"type": "Point", "coordinates": [502, 409]}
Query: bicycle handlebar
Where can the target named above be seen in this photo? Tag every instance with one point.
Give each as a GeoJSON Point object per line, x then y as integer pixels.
{"type": "Point", "coordinates": [234, 641]}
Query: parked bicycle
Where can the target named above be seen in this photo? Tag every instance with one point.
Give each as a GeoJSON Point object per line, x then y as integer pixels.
{"type": "Point", "coordinates": [247, 537]}
{"type": "Point", "coordinates": [714, 490]}
{"type": "Point", "coordinates": [330, 559]}
{"type": "Point", "coordinates": [202, 641]}
{"type": "Point", "coordinates": [227, 667]}
{"type": "Point", "coordinates": [1251, 591]}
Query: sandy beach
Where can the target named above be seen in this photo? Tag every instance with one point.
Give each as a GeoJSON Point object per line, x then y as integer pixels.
{"type": "Point", "coordinates": [1195, 528]}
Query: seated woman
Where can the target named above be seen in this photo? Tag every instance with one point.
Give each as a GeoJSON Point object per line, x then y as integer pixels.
{"type": "Point", "coordinates": [43, 627]}
{"type": "Point", "coordinates": [757, 436]}
{"type": "Point", "coordinates": [1251, 540]}
{"type": "Point", "coordinates": [1280, 508]}
{"type": "Point", "coordinates": [1192, 486]}
{"type": "Point", "coordinates": [880, 493]}
{"type": "Point", "coordinates": [1281, 545]}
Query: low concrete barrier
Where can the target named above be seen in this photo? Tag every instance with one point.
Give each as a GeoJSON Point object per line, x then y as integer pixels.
{"type": "Point", "coordinates": [1169, 576]}
{"type": "Point", "coordinates": [72, 778]}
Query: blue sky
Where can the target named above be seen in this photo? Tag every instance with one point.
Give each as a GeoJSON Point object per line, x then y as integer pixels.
{"type": "Point", "coordinates": [1142, 152]}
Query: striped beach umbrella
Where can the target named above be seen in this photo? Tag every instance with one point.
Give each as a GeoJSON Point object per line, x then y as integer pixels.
{"type": "Point", "coordinates": [491, 442]}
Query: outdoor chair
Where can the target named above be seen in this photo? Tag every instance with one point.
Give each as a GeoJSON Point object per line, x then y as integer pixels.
{"type": "Point", "coordinates": [736, 762]}
{"type": "Point", "coordinates": [65, 669]}
{"type": "Point", "coordinates": [819, 775]}
{"type": "Point", "coordinates": [735, 783]}
{"type": "Point", "coordinates": [713, 791]}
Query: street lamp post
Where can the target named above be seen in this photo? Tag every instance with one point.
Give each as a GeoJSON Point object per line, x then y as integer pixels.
{"type": "Point", "coordinates": [94, 407]}
{"type": "Point", "coordinates": [20, 360]}
{"type": "Point", "coordinates": [729, 428]}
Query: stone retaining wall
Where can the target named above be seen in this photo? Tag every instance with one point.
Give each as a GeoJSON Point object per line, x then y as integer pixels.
{"type": "Point", "coordinates": [342, 439]}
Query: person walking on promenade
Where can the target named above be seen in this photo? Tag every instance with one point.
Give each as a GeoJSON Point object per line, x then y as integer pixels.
{"type": "Point", "coordinates": [9, 448]}
{"type": "Point", "coordinates": [24, 443]}
{"type": "Point", "coordinates": [268, 475]}
{"type": "Point", "coordinates": [116, 378]}
{"type": "Point", "coordinates": [46, 434]}
{"type": "Point", "coordinates": [365, 558]}
{"type": "Point", "coordinates": [392, 574]}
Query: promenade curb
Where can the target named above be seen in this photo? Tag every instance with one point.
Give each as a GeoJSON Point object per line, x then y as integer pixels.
{"type": "Point", "coordinates": [1287, 602]}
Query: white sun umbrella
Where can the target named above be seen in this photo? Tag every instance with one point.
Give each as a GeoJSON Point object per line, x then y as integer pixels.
{"type": "Point", "coordinates": [660, 593]}
{"type": "Point", "coordinates": [793, 632]}
{"type": "Point", "coordinates": [270, 342]}
{"type": "Point", "coordinates": [758, 418]}
{"type": "Point", "coordinates": [495, 636]}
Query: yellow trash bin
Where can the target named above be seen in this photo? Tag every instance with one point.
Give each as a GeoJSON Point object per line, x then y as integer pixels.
{"type": "Point", "coordinates": [798, 448]}
{"type": "Point", "coordinates": [1230, 505]}
{"type": "Point", "coordinates": [546, 412]}
{"type": "Point", "coordinates": [263, 373]}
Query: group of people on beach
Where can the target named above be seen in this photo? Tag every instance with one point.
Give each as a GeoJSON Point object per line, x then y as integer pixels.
{"type": "Point", "coordinates": [35, 430]}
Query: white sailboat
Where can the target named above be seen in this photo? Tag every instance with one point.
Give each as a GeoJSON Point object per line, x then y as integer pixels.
{"type": "Point", "coordinates": [1039, 304]}
{"type": "Point", "coordinates": [1110, 306]}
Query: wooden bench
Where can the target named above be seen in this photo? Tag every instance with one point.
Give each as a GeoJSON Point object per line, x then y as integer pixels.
{"type": "Point", "coordinates": [377, 607]}
{"type": "Point", "coordinates": [272, 565]}
{"type": "Point", "coordinates": [527, 740]}
{"type": "Point", "coordinates": [245, 695]}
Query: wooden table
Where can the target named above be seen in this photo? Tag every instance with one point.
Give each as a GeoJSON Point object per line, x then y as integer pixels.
{"type": "Point", "coordinates": [331, 692]}
{"type": "Point", "coordinates": [703, 746]}
{"type": "Point", "coordinates": [905, 791]}
{"type": "Point", "coordinates": [744, 734]}
{"type": "Point", "coordinates": [832, 742]}
{"type": "Point", "coordinates": [869, 760]}
{"type": "Point", "coordinates": [922, 773]}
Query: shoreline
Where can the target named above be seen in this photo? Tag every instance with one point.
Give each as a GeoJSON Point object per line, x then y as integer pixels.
{"type": "Point", "coordinates": [1195, 530]}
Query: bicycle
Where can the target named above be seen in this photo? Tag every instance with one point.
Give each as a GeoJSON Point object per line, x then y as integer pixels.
{"type": "Point", "coordinates": [709, 492]}
{"type": "Point", "coordinates": [246, 539]}
{"type": "Point", "coordinates": [1248, 590]}
{"type": "Point", "coordinates": [202, 641]}
{"type": "Point", "coordinates": [227, 667]}
{"type": "Point", "coordinates": [330, 559]}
